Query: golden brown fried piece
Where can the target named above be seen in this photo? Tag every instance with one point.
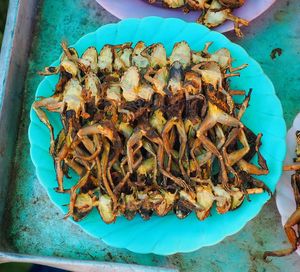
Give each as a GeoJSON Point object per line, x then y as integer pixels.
{"type": "Point", "coordinates": [294, 219]}
{"type": "Point", "coordinates": [212, 13]}
{"type": "Point", "coordinates": [150, 133]}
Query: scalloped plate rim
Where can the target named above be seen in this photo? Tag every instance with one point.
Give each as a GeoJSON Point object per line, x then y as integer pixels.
{"type": "Point", "coordinates": [284, 214]}
{"type": "Point", "coordinates": [168, 252]}
{"type": "Point", "coordinates": [228, 26]}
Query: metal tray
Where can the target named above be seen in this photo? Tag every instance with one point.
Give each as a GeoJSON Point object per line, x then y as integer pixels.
{"type": "Point", "coordinates": [31, 41]}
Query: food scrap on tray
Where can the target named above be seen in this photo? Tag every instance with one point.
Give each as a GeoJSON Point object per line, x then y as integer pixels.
{"type": "Point", "coordinates": [151, 133]}
{"type": "Point", "coordinates": [212, 12]}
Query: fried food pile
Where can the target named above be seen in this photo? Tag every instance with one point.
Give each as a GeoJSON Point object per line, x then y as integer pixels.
{"type": "Point", "coordinates": [292, 225]}
{"type": "Point", "coordinates": [150, 133]}
{"type": "Point", "coordinates": [212, 12]}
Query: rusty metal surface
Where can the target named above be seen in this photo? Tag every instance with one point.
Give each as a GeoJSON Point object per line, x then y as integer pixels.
{"type": "Point", "coordinates": [13, 67]}
{"type": "Point", "coordinates": [33, 225]}
{"type": "Point", "coordinates": [80, 265]}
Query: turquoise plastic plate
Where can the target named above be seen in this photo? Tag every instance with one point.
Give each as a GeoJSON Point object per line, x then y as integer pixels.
{"type": "Point", "coordinates": [168, 235]}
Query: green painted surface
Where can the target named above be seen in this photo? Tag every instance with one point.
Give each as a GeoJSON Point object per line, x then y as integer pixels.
{"type": "Point", "coordinates": [30, 216]}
